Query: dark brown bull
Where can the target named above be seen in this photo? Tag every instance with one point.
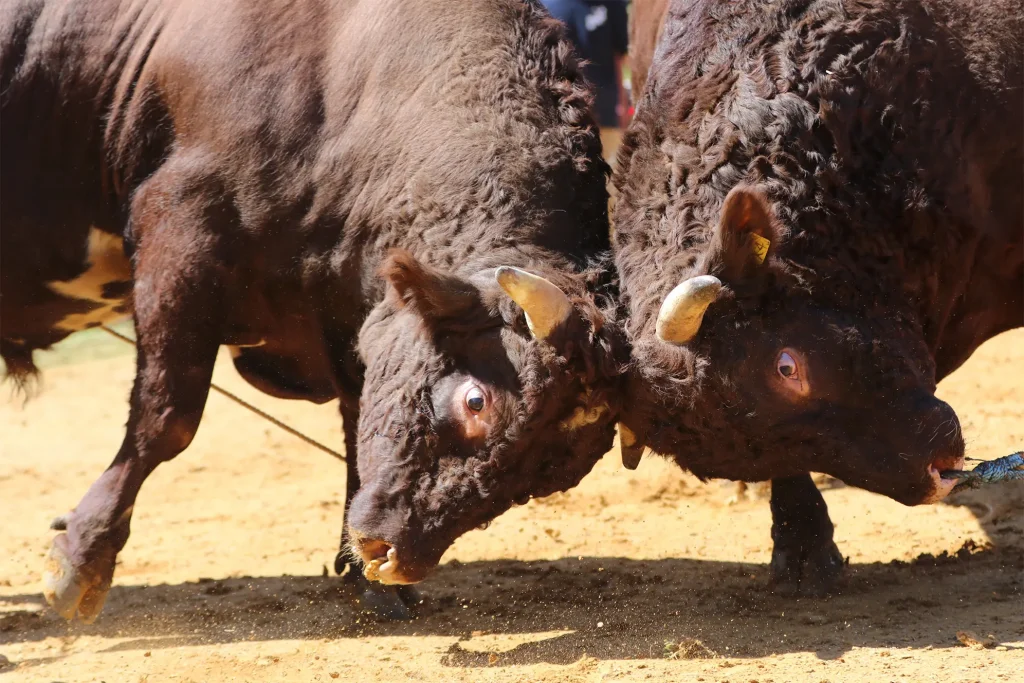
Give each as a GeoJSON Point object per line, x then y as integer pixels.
{"type": "Point", "coordinates": [400, 204]}
{"type": "Point", "coordinates": [646, 19]}
{"type": "Point", "coordinates": [820, 216]}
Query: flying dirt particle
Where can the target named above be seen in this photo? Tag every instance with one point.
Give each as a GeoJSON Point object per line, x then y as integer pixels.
{"type": "Point", "coordinates": [974, 641]}
{"type": "Point", "coordinates": [334, 674]}
{"type": "Point", "coordinates": [586, 663]}
{"type": "Point", "coordinates": [147, 654]}
{"type": "Point", "coordinates": [688, 648]}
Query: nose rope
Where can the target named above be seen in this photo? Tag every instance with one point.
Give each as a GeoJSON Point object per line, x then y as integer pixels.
{"type": "Point", "coordinates": [248, 406]}
{"type": "Point", "coordinates": [1008, 468]}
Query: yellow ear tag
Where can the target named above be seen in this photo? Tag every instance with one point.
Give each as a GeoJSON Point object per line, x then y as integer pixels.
{"type": "Point", "coordinates": [759, 245]}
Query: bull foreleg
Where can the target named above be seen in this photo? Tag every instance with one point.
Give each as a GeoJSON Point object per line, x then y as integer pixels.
{"type": "Point", "coordinates": [178, 308]}
{"type": "Point", "coordinates": [805, 560]}
{"type": "Point", "coordinates": [388, 602]}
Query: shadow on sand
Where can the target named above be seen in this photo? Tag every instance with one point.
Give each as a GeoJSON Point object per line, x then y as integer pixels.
{"type": "Point", "coordinates": [604, 607]}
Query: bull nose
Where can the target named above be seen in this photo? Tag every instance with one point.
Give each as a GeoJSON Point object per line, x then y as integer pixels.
{"type": "Point", "coordinates": [382, 563]}
{"type": "Point", "coordinates": [944, 446]}
{"type": "Point", "coordinates": [371, 549]}
{"type": "Point", "coordinates": [941, 487]}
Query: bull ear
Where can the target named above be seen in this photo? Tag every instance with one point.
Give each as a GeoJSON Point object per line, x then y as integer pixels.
{"type": "Point", "coordinates": [744, 236]}
{"type": "Point", "coordinates": [546, 306]}
{"type": "Point", "coordinates": [433, 294]}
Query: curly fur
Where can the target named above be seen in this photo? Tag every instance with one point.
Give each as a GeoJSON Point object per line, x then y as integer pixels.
{"type": "Point", "coordinates": [886, 137]}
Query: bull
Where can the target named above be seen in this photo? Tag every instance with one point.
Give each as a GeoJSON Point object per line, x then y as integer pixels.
{"type": "Point", "coordinates": [819, 217]}
{"type": "Point", "coordinates": [399, 204]}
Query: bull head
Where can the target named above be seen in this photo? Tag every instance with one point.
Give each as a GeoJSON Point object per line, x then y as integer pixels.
{"type": "Point", "coordinates": [546, 306]}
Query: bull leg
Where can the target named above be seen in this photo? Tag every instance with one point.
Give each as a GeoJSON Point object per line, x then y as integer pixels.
{"type": "Point", "coordinates": [388, 602]}
{"type": "Point", "coordinates": [805, 560]}
{"type": "Point", "coordinates": [177, 312]}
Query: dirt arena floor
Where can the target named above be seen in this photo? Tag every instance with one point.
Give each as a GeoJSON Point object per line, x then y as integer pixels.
{"type": "Point", "coordinates": [633, 576]}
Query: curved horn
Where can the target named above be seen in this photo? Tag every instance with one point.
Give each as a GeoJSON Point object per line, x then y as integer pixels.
{"type": "Point", "coordinates": [683, 309]}
{"type": "Point", "coordinates": [630, 449]}
{"type": "Point", "coordinates": [545, 305]}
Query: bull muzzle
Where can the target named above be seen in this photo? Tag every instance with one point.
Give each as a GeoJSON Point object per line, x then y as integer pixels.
{"type": "Point", "coordinates": [383, 563]}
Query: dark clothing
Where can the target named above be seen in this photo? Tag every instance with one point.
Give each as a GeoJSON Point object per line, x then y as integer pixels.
{"type": "Point", "coordinates": [600, 32]}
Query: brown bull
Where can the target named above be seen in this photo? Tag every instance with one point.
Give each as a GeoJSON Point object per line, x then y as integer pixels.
{"type": "Point", "coordinates": [646, 19]}
{"type": "Point", "coordinates": [820, 216]}
{"type": "Point", "coordinates": [400, 204]}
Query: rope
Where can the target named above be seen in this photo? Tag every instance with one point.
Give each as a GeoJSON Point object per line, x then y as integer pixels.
{"type": "Point", "coordinates": [245, 404]}
{"type": "Point", "coordinates": [1008, 468]}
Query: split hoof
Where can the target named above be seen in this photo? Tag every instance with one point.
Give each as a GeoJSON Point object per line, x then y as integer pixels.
{"type": "Point", "coordinates": [70, 591]}
{"type": "Point", "coordinates": [813, 572]}
{"type": "Point", "coordinates": [390, 603]}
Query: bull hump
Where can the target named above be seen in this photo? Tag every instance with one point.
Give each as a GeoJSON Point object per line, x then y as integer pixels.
{"type": "Point", "coordinates": [105, 282]}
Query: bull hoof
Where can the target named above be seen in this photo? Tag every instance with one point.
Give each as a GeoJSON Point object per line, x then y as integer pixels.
{"type": "Point", "coordinates": [390, 603]}
{"type": "Point", "coordinates": [74, 592]}
{"type": "Point", "coordinates": [812, 572]}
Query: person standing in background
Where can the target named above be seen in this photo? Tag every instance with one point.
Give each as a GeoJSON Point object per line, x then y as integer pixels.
{"type": "Point", "coordinates": [600, 32]}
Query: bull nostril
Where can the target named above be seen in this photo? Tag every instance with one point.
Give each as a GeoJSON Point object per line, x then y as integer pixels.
{"type": "Point", "coordinates": [945, 463]}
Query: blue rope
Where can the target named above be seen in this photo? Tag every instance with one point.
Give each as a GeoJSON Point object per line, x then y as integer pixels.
{"type": "Point", "coordinates": [989, 472]}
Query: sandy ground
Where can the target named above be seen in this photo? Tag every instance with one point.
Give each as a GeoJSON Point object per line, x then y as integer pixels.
{"type": "Point", "coordinates": [633, 576]}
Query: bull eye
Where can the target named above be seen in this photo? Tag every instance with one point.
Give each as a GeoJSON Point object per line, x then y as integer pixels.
{"type": "Point", "coordinates": [475, 400]}
{"type": "Point", "coordinates": [792, 374]}
{"type": "Point", "coordinates": [787, 366]}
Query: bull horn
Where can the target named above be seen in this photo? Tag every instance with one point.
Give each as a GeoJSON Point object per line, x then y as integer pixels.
{"type": "Point", "coordinates": [683, 309]}
{"type": "Point", "coordinates": [546, 306]}
{"type": "Point", "coordinates": [630, 448]}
